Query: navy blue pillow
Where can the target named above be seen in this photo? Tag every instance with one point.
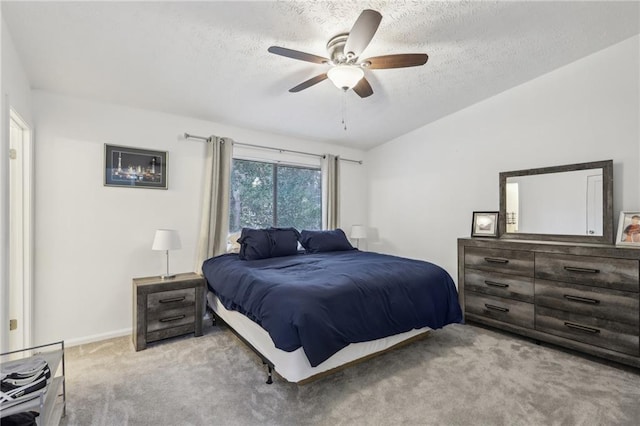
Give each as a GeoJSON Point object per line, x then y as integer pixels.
{"type": "Point", "coordinates": [258, 244]}
{"type": "Point", "coordinates": [254, 244]}
{"type": "Point", "coordinates": [284, 241]}
{"type": "Point", "coordinates": [321, 241]}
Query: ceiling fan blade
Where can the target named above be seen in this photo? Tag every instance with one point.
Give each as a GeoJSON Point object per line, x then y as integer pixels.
{"type": "Point", "coordinates": [362, 32]}
{"type": "Point", "coordinates": [296, 54]}
{"type": "Point", "coordinates": [363, 88]}
{"type": "Point", "coordinates": [397, 61]}
{"type": "Point", "coordinates": [306, 84]}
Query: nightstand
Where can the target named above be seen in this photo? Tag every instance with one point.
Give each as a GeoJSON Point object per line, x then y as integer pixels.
{"type": "Point", "coordinates": [164, 308]}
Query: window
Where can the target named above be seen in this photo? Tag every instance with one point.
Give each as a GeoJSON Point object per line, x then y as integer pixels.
{"type": "Point", "coordinates": [267, 194]}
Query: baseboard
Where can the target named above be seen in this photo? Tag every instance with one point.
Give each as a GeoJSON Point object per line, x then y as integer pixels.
{"type": "Point", "coordinates": [116, 333]}
{"type": "Point", "coordinates": [98, 337]}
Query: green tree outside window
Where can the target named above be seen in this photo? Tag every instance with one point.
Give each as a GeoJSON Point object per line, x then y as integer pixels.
{"type": "Point", "coordinates": [266, 194]}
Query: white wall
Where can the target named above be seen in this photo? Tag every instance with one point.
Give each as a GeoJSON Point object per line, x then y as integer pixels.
{"type": "Point", "coordinates": [15, 93]}
{"type": "Point", "coordinates": [91, 240]}
{"type": "Point", "coordinates": [424, 186]}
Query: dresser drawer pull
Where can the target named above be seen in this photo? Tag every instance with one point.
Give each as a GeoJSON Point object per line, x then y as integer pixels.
{"type": "Point", "coordinates": [581, 299]}
{"type": "Point", "coordinates": [173, 299]}
{"type": "Point", "coordinates": [583, 270]}
{"type": "Point", "coordinates": [496, 260]}
{"type": "Point", "coordinates": [175, 318]}
{"type": "Point", "coordinates": [495, 284]}
{"type": "Point", "coordinates": [582, 328]}
{"type": "Point", "coordinates": [496, 308]}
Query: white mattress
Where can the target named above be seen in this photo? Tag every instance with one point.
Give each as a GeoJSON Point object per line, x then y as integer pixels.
{"type": "Point", "coordinates": [294, 366]}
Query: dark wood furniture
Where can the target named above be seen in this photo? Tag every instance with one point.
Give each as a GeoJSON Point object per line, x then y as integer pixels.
{"type": "Point", "coordinates": [167, 308]}
{"type": "Point", "coordinates": [585, 297]}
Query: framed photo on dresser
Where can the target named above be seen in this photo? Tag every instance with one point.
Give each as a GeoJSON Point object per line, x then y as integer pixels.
{"type": "Point", "coordinates": [484, 224]}
{"type": "Point", "coordinates": [628, 229]}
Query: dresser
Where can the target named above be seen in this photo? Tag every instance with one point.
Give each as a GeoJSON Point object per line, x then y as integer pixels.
{"type": "Point", "coordinates": [164, 308]}
{"type": "Point", "coordinates": [585, 297]}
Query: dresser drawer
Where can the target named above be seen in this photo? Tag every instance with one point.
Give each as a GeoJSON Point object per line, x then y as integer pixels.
{"type": "Point", "coordinates": [160, 320]}
{"type": "Point", "coordinates": [619, 274]}
{"type": "Point", "coordinates": [595, 302]}
{"type": "Point", "coordinates": [499, 260]}
{"type": "Point", "coordinates": [168, 309]}
{"type": "Point", "coordinates": [171, 299]}
{"type": "Point", "coordinates": [498, 284]}
{"type": "Point", "coordinates": [501, 309]}
{"type": "Point", "coordinates": [607, 334]}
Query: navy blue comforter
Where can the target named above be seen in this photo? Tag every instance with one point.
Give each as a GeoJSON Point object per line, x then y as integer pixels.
{"type": "Point", "coordinates": [325, 301]}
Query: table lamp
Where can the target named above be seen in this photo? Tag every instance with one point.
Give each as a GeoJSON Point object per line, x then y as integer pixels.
{"type": "Point", "coordinates": [166, 239]}
{"type": "Point", "coordinates": [358, 232]}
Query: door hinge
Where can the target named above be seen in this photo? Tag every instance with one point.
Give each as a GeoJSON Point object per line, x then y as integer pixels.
{"type": "Point", "coordinates": [13, 154]}
{"type": "Point", "coordinates": [13, 324]}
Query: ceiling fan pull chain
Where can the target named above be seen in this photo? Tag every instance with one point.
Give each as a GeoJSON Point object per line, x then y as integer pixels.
{"type": "Point", "coordinates": [344, 109]}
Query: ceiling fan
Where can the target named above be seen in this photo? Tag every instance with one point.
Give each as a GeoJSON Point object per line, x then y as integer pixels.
{"type": "Point", "coordinates": [347, 70]}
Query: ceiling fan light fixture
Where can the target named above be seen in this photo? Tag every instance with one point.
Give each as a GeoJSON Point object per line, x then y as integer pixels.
{"type": "Point", "coordinates": [345, 77]}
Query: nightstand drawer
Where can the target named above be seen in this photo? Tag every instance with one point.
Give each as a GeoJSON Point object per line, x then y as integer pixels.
{"type": "Point", "coordinates": [168, 318]}
{"type": "Point", "coordinates": [501, 285]}
{"type": "Point", "coordinates": [607, 334]}
{"type": "Point", "coordinates": [172, 299]}
{"type": "Point", "coordinates": [501, 309]}
{"type": "Point", "coordinates": [498, 260]}
{"type": "Point", "coordinates": [595, 302]}
{"type": "Point", "coordinates": [619, 274]}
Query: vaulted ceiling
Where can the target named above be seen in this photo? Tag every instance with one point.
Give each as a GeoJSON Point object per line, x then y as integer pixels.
{"type": "Point", "coordinates": [209, 60]}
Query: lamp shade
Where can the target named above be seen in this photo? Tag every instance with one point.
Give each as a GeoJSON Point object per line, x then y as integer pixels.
{"type": "Point", "coordinates": [358, 231]}
{"type": "Point", "coordinates": [166, 239]}
{"type": "Point", "coordinates": [345, 76]}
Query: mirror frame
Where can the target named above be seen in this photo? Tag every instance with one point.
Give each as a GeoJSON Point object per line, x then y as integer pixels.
{"type": "Point", "coordinates": [607, 236]}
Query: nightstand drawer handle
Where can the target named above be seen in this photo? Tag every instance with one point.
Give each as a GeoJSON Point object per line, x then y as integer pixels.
{"type": "Point", "coordinates": [495, 284]}
{"type": "Point", "coordinates": [581, 299]}
{"type": "Point", "coordinates": [583, 270]}
{"type": "Point", "coordinates": [496, 260]}
{"type": "Point", "coordinates": [169, 319]}
{"type": "Point", "coordinates": [496, 308]}
{"type": "Point", "coordinates": [582, 328]}
{"type": "Point", "coordinates": [173, 299]}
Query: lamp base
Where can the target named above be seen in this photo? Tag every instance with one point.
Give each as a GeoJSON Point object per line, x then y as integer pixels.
{"type": "Point", "coordinates": [167, 277]}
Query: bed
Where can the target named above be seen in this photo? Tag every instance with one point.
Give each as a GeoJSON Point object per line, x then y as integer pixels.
{"type": "Point", "coordinates": [309, 313]}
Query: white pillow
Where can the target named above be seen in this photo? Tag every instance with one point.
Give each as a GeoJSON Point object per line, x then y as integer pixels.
{"type": "Point", "coordinates": [233, 246]}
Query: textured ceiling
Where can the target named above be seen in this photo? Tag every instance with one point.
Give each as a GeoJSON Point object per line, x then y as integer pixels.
{"type": "Point", "coordinates": [209, 60]}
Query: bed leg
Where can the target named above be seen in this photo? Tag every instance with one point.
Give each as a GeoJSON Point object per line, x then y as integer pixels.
{"type": "Point", "coordinates": [212, 315]}
{"type": "Point", "coordinates": [269, 374]}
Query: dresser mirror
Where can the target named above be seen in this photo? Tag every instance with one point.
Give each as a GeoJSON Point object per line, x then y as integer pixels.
{"type": "Point", "coordinates": [562, 203]}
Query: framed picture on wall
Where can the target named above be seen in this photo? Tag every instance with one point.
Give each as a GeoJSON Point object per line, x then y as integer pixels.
{"type": "Point", "coordinates": [628, 229]}
{"type": "Point", "coordinates": [134, 167]}
{"type": "Point", "coordinates": [484, 224]}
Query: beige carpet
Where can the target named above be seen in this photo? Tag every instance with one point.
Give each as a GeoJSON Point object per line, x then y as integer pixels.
{"type": "Point", "coordinates": [461, 375]}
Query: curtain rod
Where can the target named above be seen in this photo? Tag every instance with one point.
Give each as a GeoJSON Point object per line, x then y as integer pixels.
{"type": "Point", "coordinates": [202, 138]}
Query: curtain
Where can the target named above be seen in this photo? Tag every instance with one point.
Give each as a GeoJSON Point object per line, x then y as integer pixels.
{"type": "Point", "coordinates": [214, 226]}
{"type": "Point", "coordinates": [330, 192]}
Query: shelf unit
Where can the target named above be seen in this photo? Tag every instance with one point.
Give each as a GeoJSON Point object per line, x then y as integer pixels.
{"type": "Point", "coordinates": [50, 402]}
